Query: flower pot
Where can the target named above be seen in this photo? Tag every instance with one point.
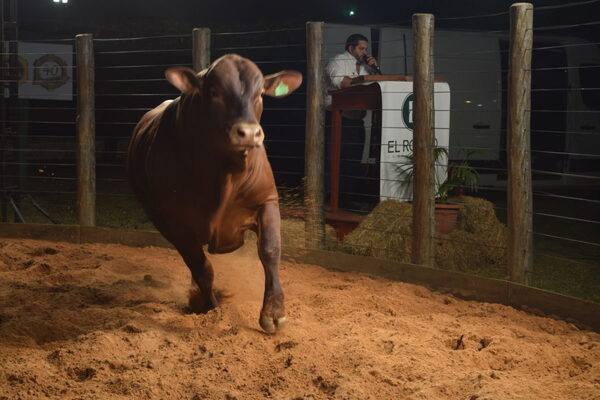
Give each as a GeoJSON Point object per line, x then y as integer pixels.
{"type": "Point", "coordinates": [343, 222]}
{"type": "Point", "coordinates": [446, 216]}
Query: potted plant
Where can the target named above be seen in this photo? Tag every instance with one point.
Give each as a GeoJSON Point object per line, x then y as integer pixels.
{"type": "Point", "coordinates": [459, 175]}
{"type": "Point", "coordinates": [462, 175]}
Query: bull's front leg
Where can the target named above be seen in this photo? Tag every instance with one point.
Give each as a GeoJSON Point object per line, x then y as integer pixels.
{"type": "Point", "coordinates": [272, 315]}
{"type": "Point", "coordinates": [202, 275]}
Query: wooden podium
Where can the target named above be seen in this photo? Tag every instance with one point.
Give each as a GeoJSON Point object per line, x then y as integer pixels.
{"type": "Point", "coordinates": [364, 94]}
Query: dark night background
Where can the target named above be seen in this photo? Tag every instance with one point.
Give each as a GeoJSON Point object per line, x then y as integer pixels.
{"type": "Point", "coordinates": [116, 17]}
{"type": "Point", "coordinates": [122, 94]}
{"type": "Point", "coordinates": [117, 87]}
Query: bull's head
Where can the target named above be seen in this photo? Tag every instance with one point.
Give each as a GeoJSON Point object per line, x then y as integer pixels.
{"type": "Point", "coordinates": [229, 94]}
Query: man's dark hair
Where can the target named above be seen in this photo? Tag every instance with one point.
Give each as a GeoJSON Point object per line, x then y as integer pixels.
{"type": "Point", "coordinates": [354, 39]}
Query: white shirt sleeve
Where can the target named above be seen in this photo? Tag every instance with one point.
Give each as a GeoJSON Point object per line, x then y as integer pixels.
{"type": "Point", "coordinates": [339, 67]}
{"type": "Point", "coordinates": [336, 71]}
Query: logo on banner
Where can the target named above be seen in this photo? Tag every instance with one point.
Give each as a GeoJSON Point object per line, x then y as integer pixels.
{"type": "Point", "coordinates": [50, 72]}
{"type": "Point", "coordinates": [22, 70]}
{"type": "Point", "coordinates": [407, 111]}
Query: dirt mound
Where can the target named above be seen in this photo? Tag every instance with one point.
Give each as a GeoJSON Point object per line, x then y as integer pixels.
{"type": "Point", "coordinates": [111, 322]}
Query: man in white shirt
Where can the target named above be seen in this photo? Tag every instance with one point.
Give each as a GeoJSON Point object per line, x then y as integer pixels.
{"type": "Point", "coordinates": [356, 142]}
{"type": "Point", "coordinates": [353, 62]}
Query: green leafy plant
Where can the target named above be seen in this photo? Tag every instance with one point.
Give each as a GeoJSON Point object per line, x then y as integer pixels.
{"type": "Point", "coordinates": [460, 175]}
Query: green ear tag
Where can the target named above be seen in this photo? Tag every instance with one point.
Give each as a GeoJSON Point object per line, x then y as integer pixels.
{"type": "Point", "coordinates": [282, 89]}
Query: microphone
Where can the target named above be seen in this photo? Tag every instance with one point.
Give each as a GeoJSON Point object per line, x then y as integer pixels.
{"type": "Point", "coordinates": [373, 69]}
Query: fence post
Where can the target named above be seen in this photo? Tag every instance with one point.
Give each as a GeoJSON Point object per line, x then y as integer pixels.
{"type": "Point", "coordinates": [9, 104]}
{"type": "Point", "coordinates": [201, 48]}
{"type": "Point", "coordinates": [520, 207]}
{"type": "Point", "coordinates": [86, 131]}
{"type": "Point", "coordinates": [314, 158]}
{"type": "Point", "coordinates": [423, 141]}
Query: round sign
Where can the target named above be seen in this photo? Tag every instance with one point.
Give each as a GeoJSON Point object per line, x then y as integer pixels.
{"type": "Point", "coordinates": [407, 111]}
{"type": "Point", "coordinates": [50, 71]}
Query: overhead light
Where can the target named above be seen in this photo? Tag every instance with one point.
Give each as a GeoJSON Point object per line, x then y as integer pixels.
{"type": "Point", "coordinates": [65, 1]}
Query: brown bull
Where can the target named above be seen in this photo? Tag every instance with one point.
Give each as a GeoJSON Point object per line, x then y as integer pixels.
{"type": "Point", "coordinates": [198, 166]}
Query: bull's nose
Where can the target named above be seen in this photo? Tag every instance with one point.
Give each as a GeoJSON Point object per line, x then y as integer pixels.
{"type": "Point", "coordinates": [247, 134]}
{"type": "Point", "coordinates": [248, 131]}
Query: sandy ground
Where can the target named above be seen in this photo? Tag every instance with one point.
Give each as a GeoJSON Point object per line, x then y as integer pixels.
{"type": "Point", "coordinates": [111, 322]}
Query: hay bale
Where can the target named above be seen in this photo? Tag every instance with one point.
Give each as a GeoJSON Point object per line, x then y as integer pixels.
{"type": "Point", "coordinates": [293, 234]}
{"type": "Point", "coordinates": [385, 233]}
{"type": "Point", "coordinates": [477, 245]}
{"type": "Point", "coordinates": [477, 215]}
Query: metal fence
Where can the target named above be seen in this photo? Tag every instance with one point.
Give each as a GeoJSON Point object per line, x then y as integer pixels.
{"type": "Point", "coordinates": [39, 142]}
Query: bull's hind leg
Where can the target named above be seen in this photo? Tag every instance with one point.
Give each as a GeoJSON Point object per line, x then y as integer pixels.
{"type": "Point", "coordinates": [272, 315]}
{"type": "Point", "coordinates": [203, 276]}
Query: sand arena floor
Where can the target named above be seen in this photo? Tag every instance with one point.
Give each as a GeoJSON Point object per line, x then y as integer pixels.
{"type": "Point", "coordinates": [111, 322]}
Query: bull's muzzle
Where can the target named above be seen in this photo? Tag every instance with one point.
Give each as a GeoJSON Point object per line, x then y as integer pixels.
{"type": "Point", "coordinates": [246, 135]}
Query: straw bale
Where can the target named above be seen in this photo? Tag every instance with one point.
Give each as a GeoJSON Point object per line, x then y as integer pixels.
{"type": "Point", "coordinates": [478, 244]}
{"type": "Point", "coordinates": [293, 234]}
{"type": "Point", "coordinates": [385, 233]}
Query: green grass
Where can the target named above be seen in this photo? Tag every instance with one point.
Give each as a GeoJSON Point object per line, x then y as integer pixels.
{"type": "Point", "coordinates": [571, 277]}
{"type": "Point", "coordinates": [113, 211]}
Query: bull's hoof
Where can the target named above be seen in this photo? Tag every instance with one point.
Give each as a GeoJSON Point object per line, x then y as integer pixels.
{"type": "Point", "coordinates": [199, 304]}
{"type": "Point", "coordinates": [271, 325]}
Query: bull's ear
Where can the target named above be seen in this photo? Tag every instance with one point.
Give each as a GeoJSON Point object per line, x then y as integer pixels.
{"type": "Point", "coordinates": [282, 83]}
{"type": "Point", "coordinates": [184, 79]}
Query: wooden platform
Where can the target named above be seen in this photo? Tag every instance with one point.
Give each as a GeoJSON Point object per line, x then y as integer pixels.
{"type": "Point", "coordinates": [343, 221]}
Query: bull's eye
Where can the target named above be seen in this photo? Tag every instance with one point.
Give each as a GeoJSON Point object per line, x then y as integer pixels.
{"type": "Point", "coordinates": [213, 92]}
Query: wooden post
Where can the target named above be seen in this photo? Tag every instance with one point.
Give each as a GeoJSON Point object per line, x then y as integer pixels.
{"type": "Point", "coordinates": [423, 142]}
{"type": "Point", "coordinates": [314, 158]}
{"type": "Point", "coordinates": [201, 48]}
{"type": "Point", "coordinates": [334, 162]}
{"type": "Point", "coordinates": [86, 131]}
{"type": "Point", "coordinates": [520, 207]}
{"type": "Point", "coordinates": [9, 102]}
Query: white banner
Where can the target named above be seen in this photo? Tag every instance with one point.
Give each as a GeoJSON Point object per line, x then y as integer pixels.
{"type": "Point", "coordinates": [397, 135]}
{"type": "Point", "coordinates": [45, 71]}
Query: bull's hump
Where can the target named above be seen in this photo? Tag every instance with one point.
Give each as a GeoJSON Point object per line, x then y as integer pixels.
{"type": "Point", "coordinates": [155, 113]}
